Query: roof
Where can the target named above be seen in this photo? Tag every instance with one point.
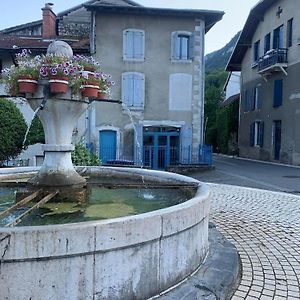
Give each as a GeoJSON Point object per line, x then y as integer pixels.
{"type": "Point", "coordinates": [67, 11]}
{"type": "Point", "coordinates": [255, 16]}
{"type": "Point", "coordinates": [210, 16]}
{"type": "Point", "coordinates": [15, 42]}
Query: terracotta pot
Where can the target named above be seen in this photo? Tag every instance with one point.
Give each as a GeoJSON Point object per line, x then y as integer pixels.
{"type": "Point", "coordinates": [59, 84]}
{"type": "Point", "coordinates": [102, 95]}
{"type": "Point", "coordinates": [90, 90]}
{"type": "Point", "coordinates": [27, 84]}
{"type": "Point", "coordinates": [90, 69]}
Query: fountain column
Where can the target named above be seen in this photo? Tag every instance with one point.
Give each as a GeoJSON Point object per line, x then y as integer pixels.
{"type": "Point", "coordinates": [58, 114]}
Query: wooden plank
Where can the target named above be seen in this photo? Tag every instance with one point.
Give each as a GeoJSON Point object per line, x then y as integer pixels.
{"type": "Point", "coordinates": [20, 203]}
{"type": "Point", "coordinates": [36, 206]}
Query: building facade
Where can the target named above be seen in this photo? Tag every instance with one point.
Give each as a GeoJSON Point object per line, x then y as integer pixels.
{"type": "Point", "coordinates": [156, 58]}
{"type": "Point", "coordinates": [268, 56]}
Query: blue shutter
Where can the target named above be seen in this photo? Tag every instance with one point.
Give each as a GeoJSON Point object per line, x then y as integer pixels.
{"type": "Point", "coordinates": [252, 134]}
{"type": "Point", "coordinates": [175, 46]}
{"type": "Point", "coordinates": [277, 97]}
{"type": "Point", "coordinates": [186, 136]}
{"type": "Point", "coordinates": [244, 100]}
{"type": "Point", "coordinates": [261, 134]}
{"type": "Point", "coordinates": [252, 99]}
{"type": "Point", "coordinates": [128, 44]}
{"type": "Point", "coordinates": [138, 90]}
{"type": "Point", "coordinates": [127, 89]}
{"type": "Point", "coordinates": [138, 45]}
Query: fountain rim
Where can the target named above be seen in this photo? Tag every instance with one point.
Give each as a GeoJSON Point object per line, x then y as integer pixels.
{"type": "Point", "coordinates": [202, 192]}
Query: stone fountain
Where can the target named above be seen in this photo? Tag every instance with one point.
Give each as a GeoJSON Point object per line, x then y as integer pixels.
{"type": "Point", "coordinates": [131, 257]}
{"type": "Point", "coordinates": [58, 115]}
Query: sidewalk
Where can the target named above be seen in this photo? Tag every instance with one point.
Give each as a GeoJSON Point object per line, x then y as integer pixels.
{"type": "Point", "coordinates": [265, 228]}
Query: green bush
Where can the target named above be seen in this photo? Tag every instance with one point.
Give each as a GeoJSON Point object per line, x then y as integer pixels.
{"type": "Point", "coordinates": [81, 156]}
{"type": "Point", "coordinates": [12, 130]}
{"type": "Point", "coordinates": [36, 132]}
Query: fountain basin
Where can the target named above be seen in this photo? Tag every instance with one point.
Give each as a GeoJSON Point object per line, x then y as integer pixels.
{"type": "Point", "coordinates": [132, 257]}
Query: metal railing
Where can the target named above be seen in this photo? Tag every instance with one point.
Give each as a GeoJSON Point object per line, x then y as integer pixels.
{"type": "Point", "coordinates": [157, 157]}
{"type": "Point", "coordinates": [272, 57]}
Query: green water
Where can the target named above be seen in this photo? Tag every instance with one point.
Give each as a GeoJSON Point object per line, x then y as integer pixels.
{"type": "Point", "coordinates": [103, 203]}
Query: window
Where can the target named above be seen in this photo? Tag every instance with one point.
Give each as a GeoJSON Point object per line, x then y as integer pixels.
{"type": "Point", "coordinates": [278, 93]}
{"type": "Point", "coordinates": [289, 41]}
{"type": "Point", "coordinates": [257, 97]}
{"type": "Point", "coordinates": [267, 45]}
{"type": "Point", "coordinates": [182, 45]}
{"type": "Point", "coordinates": [133, 45]}
{"type": "Point", "coordinates": [133, 89]}
{"type": "Point", "coordinates": [278, 37]}
{"type": "Point", "coordinates": [256, 51]}
{"type": "Point", "coordinates": [257, 134]}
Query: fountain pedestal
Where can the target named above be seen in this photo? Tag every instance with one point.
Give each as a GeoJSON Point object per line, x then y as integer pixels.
{"type": "Point", "coordinates": [58, 114]}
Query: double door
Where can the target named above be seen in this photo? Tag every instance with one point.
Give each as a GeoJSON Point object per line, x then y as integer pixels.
{"type": "Point", "coordinates": [161, 149]}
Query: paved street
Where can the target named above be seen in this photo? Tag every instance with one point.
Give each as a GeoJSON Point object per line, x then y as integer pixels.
{"type": "Point", "coordinates": [242, 172]}
{"type": "Point", "coordinates": [265, 228]}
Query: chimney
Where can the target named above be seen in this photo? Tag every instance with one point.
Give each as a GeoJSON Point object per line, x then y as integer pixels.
{"type": "Point", "coordinates": [49, 22]}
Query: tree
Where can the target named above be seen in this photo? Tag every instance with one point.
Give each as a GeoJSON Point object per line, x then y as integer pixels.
{"type": "Point", "coordinates": [36, 132]}
{"type": "Point", "coordinates": [12, 130]}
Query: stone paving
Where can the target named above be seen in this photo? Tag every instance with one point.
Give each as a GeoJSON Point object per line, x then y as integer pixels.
{"type": "Point", "coordinates": [265, 228]}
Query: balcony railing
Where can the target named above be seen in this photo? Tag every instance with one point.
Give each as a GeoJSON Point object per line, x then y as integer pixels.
{"type": "Point", "coordinates": [272, 59]}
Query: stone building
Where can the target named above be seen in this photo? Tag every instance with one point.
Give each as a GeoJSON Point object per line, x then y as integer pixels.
{"type": "Point", "coordinates": [268, 56]}
{"type": "Point", "coordinates": [156, 58]}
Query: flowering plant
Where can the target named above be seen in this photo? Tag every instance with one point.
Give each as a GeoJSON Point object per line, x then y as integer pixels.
{"type": "Point", "coordinates": [87, 63]}
{"type": "Point", "coordinates": [46, 66]}
{"type": "Point", "coordinates": [26, 66]}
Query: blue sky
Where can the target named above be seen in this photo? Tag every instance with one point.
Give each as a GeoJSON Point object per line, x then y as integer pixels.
{"type": "Point", "coordinates": [15, 12]}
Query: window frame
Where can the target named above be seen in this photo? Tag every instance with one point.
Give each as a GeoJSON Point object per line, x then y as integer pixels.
{"type": "Point", "coordinates": [125, 103]}
{"type": "Point", "coordinates": [289, 33]}
{"type": "Point", "coordinates": [256, 52]}
{"type": "Point", "coordinates": [127, 57]}
{"type": "Point", "coordinates": [190, 46]}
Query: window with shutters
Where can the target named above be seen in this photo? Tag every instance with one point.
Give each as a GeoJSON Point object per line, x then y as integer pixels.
{"type": "Point", "coordinates": [289, 38]}
{"type": "Point", "coordinates": [257, 134]}
{"type": "Point", "coordinates": [277, 96]}
{"type": "Point", "coordinates": [134, 45]}
{"type": "Point", "coordinates": [182, 46]}
{"type": "Point", "coordinates": [133, 89]}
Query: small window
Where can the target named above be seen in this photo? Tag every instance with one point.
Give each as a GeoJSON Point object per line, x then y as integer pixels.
{"type": "Point", "coordinates": [278, 93]}
{"type": "Point", "coordinates": [267, 45]}
{"type": "Point", "coordinates": [256, 51]}
{"type": "Point", "coordinates": [257, 97]}
{"type": "Point", "coordinates": [257, 134]}
{"type": "Point", "coordinates": [182, 45]}
{"type": "Point", "coordinates": [289, 35]}
{"type": "Point", "coordinates": [133, 45]}
{"type": "Point", "coordinates": [278, 38]}
{"type": "Point", "coordinates": [133, 89]}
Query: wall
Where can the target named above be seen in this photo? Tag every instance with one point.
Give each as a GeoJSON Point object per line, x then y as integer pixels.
{"type": "Point", "coordinates": [157, 68]}
{"type": "Point", "coordinates": [288, 113]}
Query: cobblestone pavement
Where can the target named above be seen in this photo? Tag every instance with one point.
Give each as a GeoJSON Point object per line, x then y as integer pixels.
{"type": "Point", "coordinates": [265, 228]}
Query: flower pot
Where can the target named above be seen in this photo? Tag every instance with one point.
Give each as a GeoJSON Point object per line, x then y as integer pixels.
{"type": "Point", "coordinates": [102, 95]}
{"type": "Point", "coordinates": [90, 90]}
{"type": "Point", "coordinates": [27, 84]}
{"type": "Point", "coordinates": [59, 84]}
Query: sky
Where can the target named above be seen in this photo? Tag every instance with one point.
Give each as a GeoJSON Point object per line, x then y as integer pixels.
{"type": "Point", "coordinates": [16, 12]}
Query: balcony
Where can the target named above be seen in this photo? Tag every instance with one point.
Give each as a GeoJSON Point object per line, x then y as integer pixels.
{"type": "Point", "coordinates": [274, 60]}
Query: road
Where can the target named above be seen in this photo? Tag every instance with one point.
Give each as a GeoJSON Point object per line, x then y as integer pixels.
{"type": "Point", "coordinates": [248, 173]}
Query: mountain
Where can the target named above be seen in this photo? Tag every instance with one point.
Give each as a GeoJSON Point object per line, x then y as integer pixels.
{"type": "Point", "coordinates": [218, 60]}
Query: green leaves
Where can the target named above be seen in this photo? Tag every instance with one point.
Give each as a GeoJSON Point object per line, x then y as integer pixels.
{"type": "Point", "coordinates": [12, 130]}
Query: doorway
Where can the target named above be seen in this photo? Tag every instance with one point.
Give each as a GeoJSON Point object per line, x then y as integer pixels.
{"type": "Point", "coordinates": [161, 146]}
{"type": "Point", "coordinates": [108, 145]}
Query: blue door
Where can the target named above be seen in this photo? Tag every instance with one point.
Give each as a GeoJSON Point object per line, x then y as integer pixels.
{"type": "Point", "coordinates": [108, 146]}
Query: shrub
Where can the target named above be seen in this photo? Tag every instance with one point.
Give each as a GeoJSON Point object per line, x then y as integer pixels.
{"type": "Point", "coordinates": [81, 156]}
{"type": "Point", "coordinates": [12, 130]}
